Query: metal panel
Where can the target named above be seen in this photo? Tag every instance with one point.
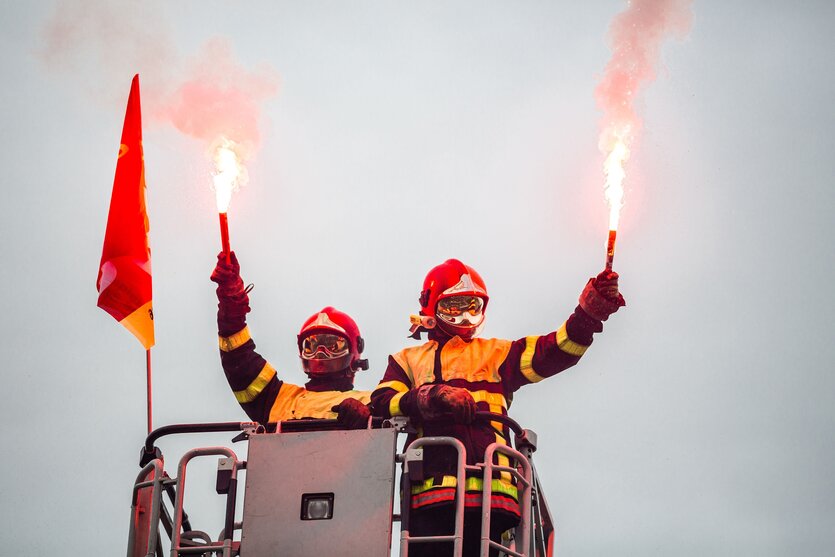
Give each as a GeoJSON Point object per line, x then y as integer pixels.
{"type": "Point", "coordinates": [356, 466]}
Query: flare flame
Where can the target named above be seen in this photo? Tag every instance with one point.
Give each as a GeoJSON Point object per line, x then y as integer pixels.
{"type": "Point", "coordinates": [613, 168]}
{"type": "Point", "coordinates": [230, 173]}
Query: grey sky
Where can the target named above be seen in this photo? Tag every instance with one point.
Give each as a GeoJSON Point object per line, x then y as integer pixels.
{"type": "Point", "coordinates": [700, 423]}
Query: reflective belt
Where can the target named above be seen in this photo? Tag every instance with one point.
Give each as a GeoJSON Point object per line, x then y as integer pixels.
{"type": "Point", "coordinates": [500, 486]}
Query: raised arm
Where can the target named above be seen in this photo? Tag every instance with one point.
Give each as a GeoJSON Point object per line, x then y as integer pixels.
{"type": "Point", "coordinates": [252, 379]}
{"type": "Point", "coordinates": [532, 359]}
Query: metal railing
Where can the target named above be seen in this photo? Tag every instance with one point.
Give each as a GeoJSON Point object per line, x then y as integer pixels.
{"type": "Point", "coordinates": [185, 541]}
{"type": "Point", "coordinates": [155, 485]}
{"type": "Point", "coordinates": [521, 473]}
{"type": "Point", "coordinates": [224, 545]}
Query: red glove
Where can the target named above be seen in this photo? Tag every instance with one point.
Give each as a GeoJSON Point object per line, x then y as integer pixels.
{"type": "Point", "coordinates": [440, 401]}
{"type": "Point", "coordinates": [600, 297]}
{"type": "Point", "coordinates": [227, 275]}
{"type": "Point", "coordinates": [233, 301]}
{"type": "Point", "coordinates": [352, 414]}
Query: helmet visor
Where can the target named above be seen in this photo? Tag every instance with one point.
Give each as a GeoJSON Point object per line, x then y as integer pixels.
{"type": "Point", "coordinates": [461, 310]}
{"type": "Point", "coordinates": [324, 346]}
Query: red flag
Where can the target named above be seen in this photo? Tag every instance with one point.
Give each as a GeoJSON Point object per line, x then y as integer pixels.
{"type": "Point", "coordinates": [124, 281]}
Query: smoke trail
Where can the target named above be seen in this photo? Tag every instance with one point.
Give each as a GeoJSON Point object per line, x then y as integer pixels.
{"type": "Point", "coordinates": [100, 44]}
{"type": "Point", "coordinates": [635, 35]}
{"type": "Point", "coordinates": [220, 98]}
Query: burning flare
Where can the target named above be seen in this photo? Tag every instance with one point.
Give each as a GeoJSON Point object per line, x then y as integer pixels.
{"type": "Point", "coordinates": [230, 173]}
{"type": "Point", "coordinates": [613, 188]}
{"type": "Point", "coordinates": [613, 168]}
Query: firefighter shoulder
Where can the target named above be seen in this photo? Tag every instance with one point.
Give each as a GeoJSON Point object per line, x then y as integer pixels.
{"type": "Point", "coordinates": [329, 345]}
{"type": "Point", "coordinates": [455, 373]}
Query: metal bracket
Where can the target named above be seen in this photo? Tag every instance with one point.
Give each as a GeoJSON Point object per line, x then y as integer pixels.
{"type": "Point", "coordinates": [413, 464]}
{"type": "Point", "coordinates": [145, 457]}
{"type": "Point", "coordinates": [400, 423]}
{"type": "Point", "coordinates": [248, 429]}
{"type": "Point", "coordinates": [225, 466]}
{"type": "Point", "coordinates": [526, 443]}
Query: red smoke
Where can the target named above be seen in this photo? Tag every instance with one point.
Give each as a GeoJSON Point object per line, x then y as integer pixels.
{"type": "Point", "coordinates": [220, 98]}
{"type": "Point", "coordinates": [635, 36]}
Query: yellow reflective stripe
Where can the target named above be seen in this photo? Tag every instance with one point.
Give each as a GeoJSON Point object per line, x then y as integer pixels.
{"type": "Point", "coordinates": [254, 389]}
{"type": "Point", "coordinates": [429, 483]}
{"type": "Point", "coordinates": [498, 426]}
{"type": "Point", "coordinates": [227, 344]}
{"type": "Point", "coordinates": [498, 486]}
{"type": "Point", "coordinates": [398, 386]}
{"type": "Point", "coordinates": [472, 484]}
{"type": "Point", "coordinates": [502, 458]}
{"type": "Point", "coordinates": [394, 405]}
{"type": "Point", "coordinates": [493, 399]}
{"type": "Point", "coordinates": [567, 345]}
{"type": "Point", "coordinates": [526, 361]}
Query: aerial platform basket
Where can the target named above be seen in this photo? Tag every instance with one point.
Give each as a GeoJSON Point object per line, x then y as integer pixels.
{"type": "Point", "coordinates": [312, 489]}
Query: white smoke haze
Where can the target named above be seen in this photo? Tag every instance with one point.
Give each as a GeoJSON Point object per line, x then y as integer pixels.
{"type": "Point", "coordinates": [203, 96]}
{"type": "Point", "coordinates": [88, 41]}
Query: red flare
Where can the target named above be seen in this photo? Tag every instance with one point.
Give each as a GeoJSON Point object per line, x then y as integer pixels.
{"type": "Point", "coordinates": [610, 249]}
{"type": "Point", "coordinates": [224, 235]}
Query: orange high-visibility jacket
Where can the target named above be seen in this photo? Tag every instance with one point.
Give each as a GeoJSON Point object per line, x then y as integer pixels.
{"type": "Point", "coordinates": [266, 398]}
{"type": "Point", "coordinates": [491, 370]}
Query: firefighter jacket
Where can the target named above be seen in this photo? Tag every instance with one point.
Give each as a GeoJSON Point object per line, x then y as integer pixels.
{"type": "Point", "coordinates": [491, 370]}
{"type": "Point", "coordinates": [266, 398]}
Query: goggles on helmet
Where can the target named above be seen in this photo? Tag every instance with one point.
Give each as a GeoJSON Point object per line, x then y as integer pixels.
{"type": "Point", "coordinates": [461, 310]}
{"type": "Point", "coordinates": [324, 346]}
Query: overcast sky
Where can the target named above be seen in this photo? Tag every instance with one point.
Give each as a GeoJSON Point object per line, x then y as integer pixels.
{"type": "Point", "coordinates": [402, 134]}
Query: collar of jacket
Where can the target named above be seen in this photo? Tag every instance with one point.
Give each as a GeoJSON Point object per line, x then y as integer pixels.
{"type": "Point", "coordinates": [323, 384]}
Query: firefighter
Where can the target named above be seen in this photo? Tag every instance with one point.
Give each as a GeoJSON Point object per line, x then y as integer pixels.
{"type": "Point", "coordinates": [440, 385]}
{"type": "Point", "coordinates": [329, 344]}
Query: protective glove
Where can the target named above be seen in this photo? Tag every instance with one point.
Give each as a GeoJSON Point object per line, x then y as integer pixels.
{"type": "Point", "coordinates": [600, 297]}
{"type": "Point", "coordinates": [227, 275]}
{"type": "Point", "coordinates": [440, 401]}
{"type": "Point", "coordinates": [352, 414]}
{"type": "Point", "coordinates": [233, 301]}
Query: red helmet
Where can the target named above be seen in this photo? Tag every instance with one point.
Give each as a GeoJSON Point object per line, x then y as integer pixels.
{"type": "Point", "coordinates": [452, 278]}
{"type": "Point", "coordinates": [329, 342]}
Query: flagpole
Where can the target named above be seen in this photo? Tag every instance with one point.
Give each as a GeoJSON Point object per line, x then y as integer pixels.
{"type": "Point", "coordinates": [148, 382]}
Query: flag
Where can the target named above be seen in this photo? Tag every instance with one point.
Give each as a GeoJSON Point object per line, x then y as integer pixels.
{"type": "Point", "coordinates": [124, 281]}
